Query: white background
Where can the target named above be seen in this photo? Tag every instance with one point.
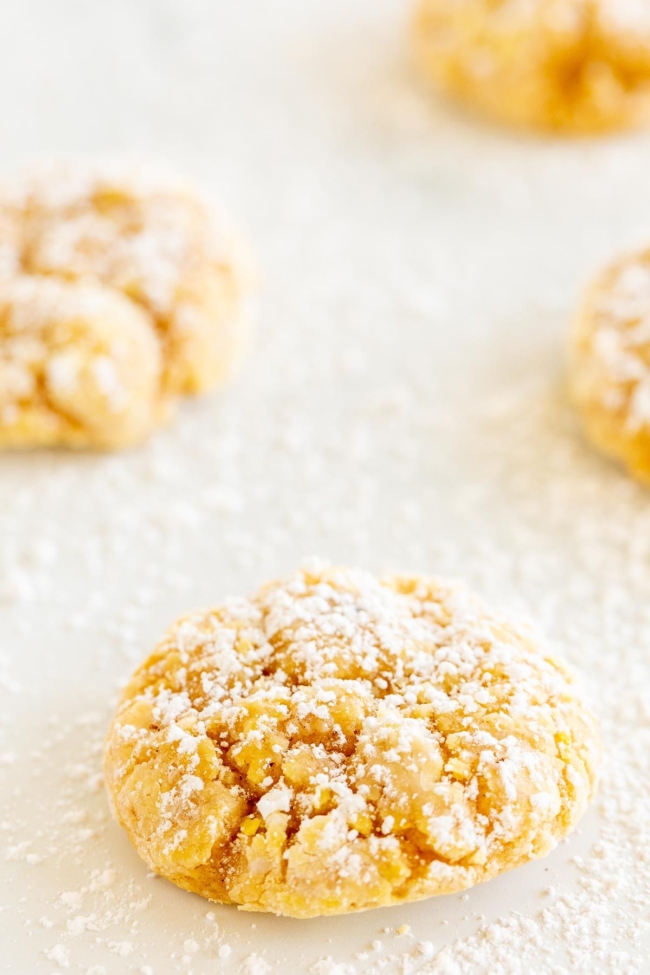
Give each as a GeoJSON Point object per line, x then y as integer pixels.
{"type": "Point", "coordinates": [402, 408]}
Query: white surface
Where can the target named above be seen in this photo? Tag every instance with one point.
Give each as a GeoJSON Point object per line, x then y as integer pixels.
{"type": "Point", "coordinates": [401, 409]}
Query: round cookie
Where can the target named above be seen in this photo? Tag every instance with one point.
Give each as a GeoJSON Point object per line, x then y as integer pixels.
{"type": "Point", "coordinates": [148, 245]}
{"type": "Point", "coordinates": [610, 362]}
{"type": "Point", "coordinates": [580, 66]}
{"type": "Point", "coordinates": [338, 742]}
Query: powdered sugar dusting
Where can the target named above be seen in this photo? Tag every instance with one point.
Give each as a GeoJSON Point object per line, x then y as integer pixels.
{"type": "Point", "coordinates": [403, 411]}
{"type": "Point", "coordinates": [118, 297]}
{"type": "Point", "coordinates": [394, 727]}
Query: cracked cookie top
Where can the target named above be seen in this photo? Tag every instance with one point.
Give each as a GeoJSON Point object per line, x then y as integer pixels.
{"type": "Point", "coordinates": [96, 243]}
{"type": "Point", "coordinates": [338, 741]}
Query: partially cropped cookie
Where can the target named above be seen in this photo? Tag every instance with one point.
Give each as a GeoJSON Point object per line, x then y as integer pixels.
{"type": "Point", "coordinates": [578, 66]}
{"type": "Point", "coordinates": [118, 294]}
{"type": "Point", "coordinates": [337, 742]}
{"type": "Point", "coordinates": [610, 362]}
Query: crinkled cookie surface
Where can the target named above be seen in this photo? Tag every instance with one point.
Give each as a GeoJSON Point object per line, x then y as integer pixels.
{"type": "Point", "coordinates": [578, 66]}
{"type": "Point", "coordinates": [338, 742]}
{"type": "Point", "coordinates": [117, 295]}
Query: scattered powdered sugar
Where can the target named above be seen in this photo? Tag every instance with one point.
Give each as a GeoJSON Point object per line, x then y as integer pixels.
{"type": "Point", "coordinates": [400, 413]}
{"type": "Point", "coordinates": [58, 954]}
{"type": "Point", "coordinates": [254, 965]}
{"type": "Point", "coordinates": [629, 16]}
{"type": "Point", "coordinates": [277, 800]}
{"type": "Point", "coordinates": [326, 966]}
{"type": "Point", "coordinates": [612, 872]}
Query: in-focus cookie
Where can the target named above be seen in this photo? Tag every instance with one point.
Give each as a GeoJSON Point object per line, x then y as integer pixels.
{"type": "Point", "coordinates": [610, 362]}
{"type": "Point", "coordinates": [565, 65]}
{"type": "Point", "coordinates": [338, 742]}
{"type": "Point", "coordinates": [129, 274]}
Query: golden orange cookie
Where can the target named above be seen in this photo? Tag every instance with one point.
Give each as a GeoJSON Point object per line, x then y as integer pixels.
{"type": "Point", "coordinates": [578, 66]}
{"type": "Point", "coordinates": [610, 362]}
{"type": "Point", "coordinates": [89, 254]}
{"type": "Point", "coordinates": [337, 742]}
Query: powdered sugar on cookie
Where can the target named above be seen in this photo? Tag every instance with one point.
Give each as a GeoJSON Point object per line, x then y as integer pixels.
{"type": "Point", "coordinates": [611, 361]}
{"type": "Point", "coordinates": [81, 245]}
{"type": "Point", "coordinates": [339, 742]}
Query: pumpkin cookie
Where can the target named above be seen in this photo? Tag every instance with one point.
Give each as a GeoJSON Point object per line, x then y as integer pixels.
{"type": "Point", "coordinates": [338, 742]}
{"type": "Point", "coordinates": [578, 66]}
{"type": "Point", "coordinates": [610, 362]}
{"type": "Point", "coordinates": [115, 266]}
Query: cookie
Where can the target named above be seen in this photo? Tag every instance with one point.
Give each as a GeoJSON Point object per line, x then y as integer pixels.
{"type": "Point", "coordinates": [79, 364]}
{"type": "Point", "coordinates": [87, 255]}
{"type": "Point", "coordinates": [610, 362]}
{"type": "Point", "coordinates": [338, 742]}
{"type": "Point", "coordinates": [580, 66]}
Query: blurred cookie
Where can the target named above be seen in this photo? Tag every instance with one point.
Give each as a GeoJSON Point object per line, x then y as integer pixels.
{"type": "Point", "coordinates": [89, 254]}
{"type": "Point", "coordinates": [610, 362]}
{"type": "Point", "coordinates": [79, 364]}
{"type": "Point", "coordinates": [578, 66]}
